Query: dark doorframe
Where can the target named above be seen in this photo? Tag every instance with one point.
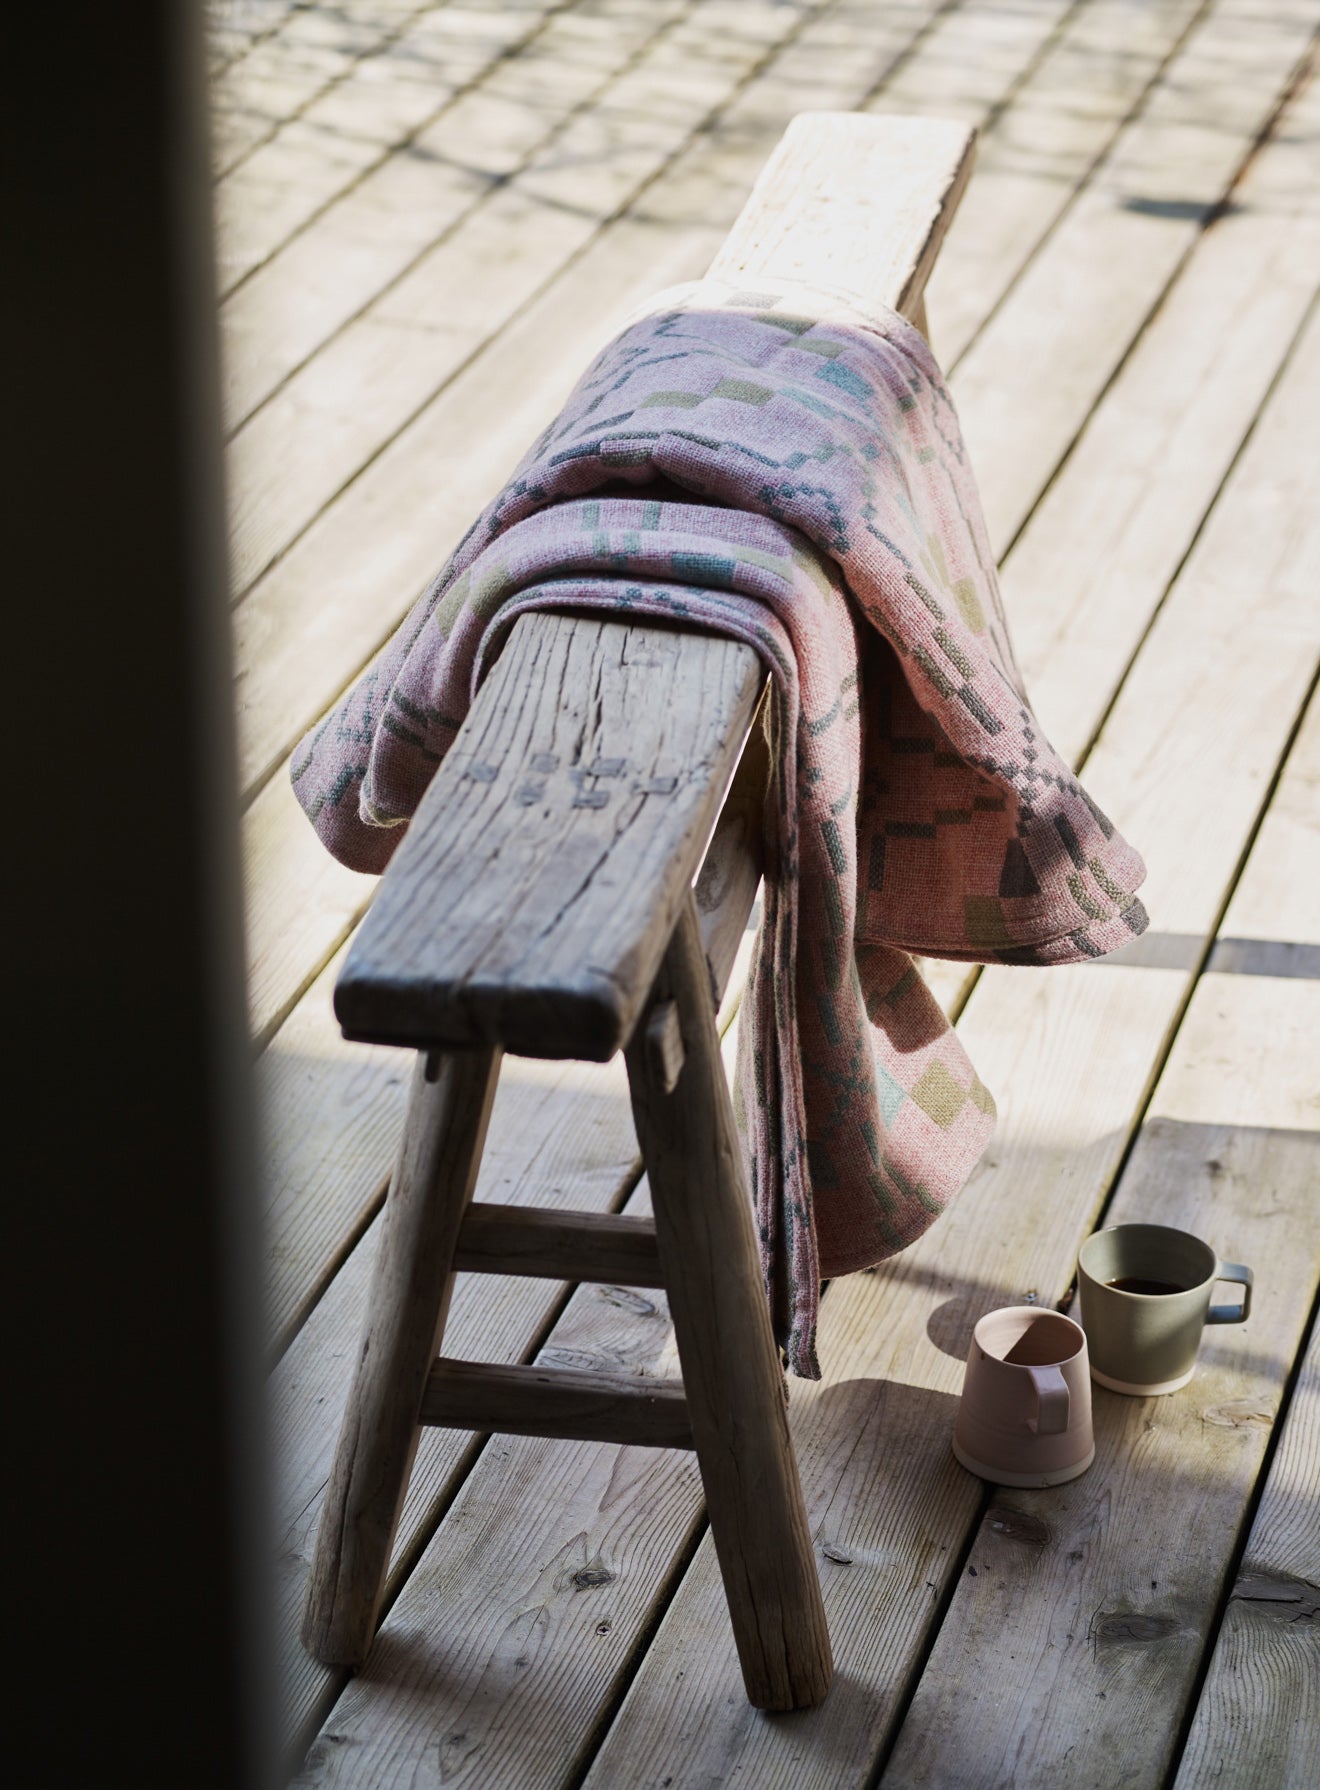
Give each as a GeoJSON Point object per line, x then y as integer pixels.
{"type": "Point", "coordinates": [136, 1534]}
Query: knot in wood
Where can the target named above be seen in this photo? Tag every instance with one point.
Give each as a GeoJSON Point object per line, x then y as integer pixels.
{"type": "Point", "coordinates": [1127, 1625]}
{"type": "Point", "coordinates": [626, 1299]}
{"type": "Point", "coordinates": [1240, 1413]}
{"type": "Point", "coordinates": [1019, 1525]}
{"type": "Point", "coordinates": [1277, 1594]}
{"type": "Point", "coordinates": [587, 1578]}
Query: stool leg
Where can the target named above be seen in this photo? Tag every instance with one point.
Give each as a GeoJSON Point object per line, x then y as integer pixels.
{"type": "Point", "coordinates": [731, 1371]}
{"type": "Point", "coordinates": [409, 1302]}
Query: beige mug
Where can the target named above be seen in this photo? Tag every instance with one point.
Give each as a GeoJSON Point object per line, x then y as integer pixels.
{"type": "Point", "coordinates": [1025, 1414]}
{"type": "Point", "coordinates": [1145, 1299]}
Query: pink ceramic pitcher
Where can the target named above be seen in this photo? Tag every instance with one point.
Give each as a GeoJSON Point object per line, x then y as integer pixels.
{"type": "Point", "coordinates": [1025, 1414]}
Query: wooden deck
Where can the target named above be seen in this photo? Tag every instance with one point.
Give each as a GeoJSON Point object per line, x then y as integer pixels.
{"type": "Point", "coordinates": [429, 215]}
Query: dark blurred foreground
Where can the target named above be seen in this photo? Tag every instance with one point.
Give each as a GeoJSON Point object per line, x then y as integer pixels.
{"type": "Point", "coordinates": [135, 1464]}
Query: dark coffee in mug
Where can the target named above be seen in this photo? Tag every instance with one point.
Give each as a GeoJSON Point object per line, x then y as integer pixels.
{"type": "Point", "coordinates": [1147, 1344]}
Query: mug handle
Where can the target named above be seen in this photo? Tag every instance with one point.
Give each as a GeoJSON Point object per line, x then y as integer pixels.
{"type": "Point", "coordinates": [1053, 1401]}
{"type": "Point", "coordinates": [1240, 1275]}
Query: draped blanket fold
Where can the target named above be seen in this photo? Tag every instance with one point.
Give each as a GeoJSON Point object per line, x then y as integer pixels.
{"type": "Point", "coordinates": [786, 467]}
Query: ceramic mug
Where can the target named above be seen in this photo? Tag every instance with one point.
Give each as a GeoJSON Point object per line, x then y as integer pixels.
{"type": "Point", "coordinates": [1145, 1299]}
{"type": "Point", "coordinates": [1025, 1414]}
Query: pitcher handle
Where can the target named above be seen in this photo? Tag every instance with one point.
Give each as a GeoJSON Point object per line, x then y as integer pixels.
{"type": "Point", "coordinates": [1053, 1401]}
{"type": "Point", "coordinates": [1240, 1275]}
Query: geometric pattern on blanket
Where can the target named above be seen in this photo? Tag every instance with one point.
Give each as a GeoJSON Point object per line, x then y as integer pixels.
{"type": "Point", "coordinates": [786, 467]}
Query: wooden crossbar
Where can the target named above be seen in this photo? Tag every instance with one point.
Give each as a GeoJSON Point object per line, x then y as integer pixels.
{"type": "Point", "coordinates": [573, 1403]}
{"type": "Point", "coordinates": [575, 1246]}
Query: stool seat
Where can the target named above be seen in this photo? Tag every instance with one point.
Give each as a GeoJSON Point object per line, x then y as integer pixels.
{"type": "Point", "coordinates": [532, 898]}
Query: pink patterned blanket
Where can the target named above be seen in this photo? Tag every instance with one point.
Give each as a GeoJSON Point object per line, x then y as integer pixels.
{"type": "Point", "coordinates": [783, 467]}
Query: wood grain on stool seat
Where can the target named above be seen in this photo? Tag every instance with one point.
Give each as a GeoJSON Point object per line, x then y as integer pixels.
{"type": "Point", "coordinates": [577, 801]}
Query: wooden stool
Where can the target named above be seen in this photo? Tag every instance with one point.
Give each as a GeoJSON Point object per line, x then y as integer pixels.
{"type": "Point", "coordinates": [542, 902]}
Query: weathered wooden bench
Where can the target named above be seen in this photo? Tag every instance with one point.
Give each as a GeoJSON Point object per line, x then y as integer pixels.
{"type": "Point", "coordinates": [543, 902]}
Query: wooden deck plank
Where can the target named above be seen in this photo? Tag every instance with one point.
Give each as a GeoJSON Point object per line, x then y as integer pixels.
{"type": "Point", "coordinates": [384, 368]}
{"type": "Point", "coordinates": [890, 1508]}
{"type": "Point", "coordinates": [362, 242]}
{"type": "Point", "coordinates": [365, 240]}
{"type": "Point", "coordinates": [1090, 568]}
{"type": "Point", "coordinates": [1280, 908]}
{"type": "Point", "coordinates": [331, 1114]}
{"type": "Point", "coordinates": [319, 613]}
{"type": "Point", "coordinates": [290, 459]}
{"type": "Point", "coordinates": [311, 49]}
{"type": "Point", "coordinates": [1043, 148]}
{"type": "Point", "coordinates": [1136, 487]}
{"type": "Point", "coordinates": [235, 27]}
{"type": "Point", "coordinates": [1085, 1642]}
{"type": "Point", "coordinates": [380, 104]}
{"type": "Point", "coordinates": [1036, 370]}
{"type": "Point", "coordinates": [316, 593]}
{"type": "Point", "coordinates": [301, 905]}
{"type": "Point", "coordinates": [850, 58]}
{"type": "Point", "coordinates": [1257, 1722]}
